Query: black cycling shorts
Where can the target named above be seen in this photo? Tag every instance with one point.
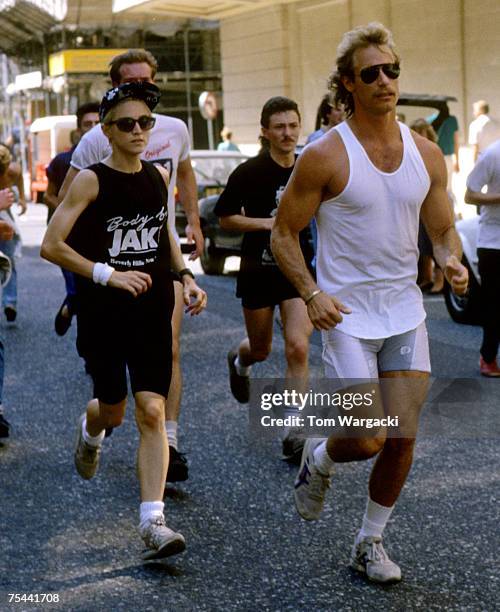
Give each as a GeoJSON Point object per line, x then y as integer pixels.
{"type": "Point", "coordinates": [127, 333]}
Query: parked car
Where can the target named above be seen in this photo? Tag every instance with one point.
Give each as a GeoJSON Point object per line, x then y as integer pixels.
{"type": "Point", "coordinates": [219, 243]}
{"type": "Point", "coordinates": [211, 169]}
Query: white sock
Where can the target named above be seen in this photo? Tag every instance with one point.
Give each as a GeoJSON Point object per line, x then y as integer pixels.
{"type": "Point", "coordinates": [374, 520]}
{"type": "Point", "coordinates": [92, 440]}
{"type": "Point", "coordinates": [241, 369]}
{"type": "Point", "coordinates": [322, 460]}
{"type": "Point", "coordinates": [150, 510]}
{"type": "Point", "coordinates": [171, 429]}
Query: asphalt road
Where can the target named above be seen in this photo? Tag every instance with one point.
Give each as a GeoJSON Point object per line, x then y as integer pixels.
{"type": "Point", "coordinates": [247, 549]}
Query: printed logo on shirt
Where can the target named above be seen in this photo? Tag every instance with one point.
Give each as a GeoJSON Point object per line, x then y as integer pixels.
{"type": "Point", "coordinates": [135, 241]}
{"type": "Point", "coordinates": [166, 162]}
{"type": "Point", "coordinates": [267, 258]}
{"type": "Point", "coordinates": [153, 154]}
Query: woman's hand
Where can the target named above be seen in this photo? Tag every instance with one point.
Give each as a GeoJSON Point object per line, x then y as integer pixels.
{"type": "Point", "coordinates": [131, 281]}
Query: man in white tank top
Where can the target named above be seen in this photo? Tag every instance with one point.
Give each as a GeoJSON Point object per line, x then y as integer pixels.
{"type": "Point", "coordinates": [366, 181]}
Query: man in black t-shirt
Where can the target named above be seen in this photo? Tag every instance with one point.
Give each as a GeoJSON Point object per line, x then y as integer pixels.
{"type": "Point", "coordinates": [249, 204]}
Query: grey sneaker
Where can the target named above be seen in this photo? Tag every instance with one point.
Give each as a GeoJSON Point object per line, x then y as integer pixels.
{"type": "Point", "coordinates": [369, 557]}
{"type": "Point", "coordinates": [293, 444]}
{"type": "Point", "coordinates": [160, 539]}
{"type": "Point", "coordinates": [86, 456]}
{"type": "Point", "coordinates": [310, 484]}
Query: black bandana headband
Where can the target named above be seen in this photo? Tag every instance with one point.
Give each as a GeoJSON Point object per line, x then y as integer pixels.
{"type": "Point", "coordinates": [147, 92]}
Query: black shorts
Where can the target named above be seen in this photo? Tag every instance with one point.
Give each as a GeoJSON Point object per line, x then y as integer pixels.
{"type": "Point", "coordinates": [119, 332]}
{"type": "Point", "coordinates": [264, 290]}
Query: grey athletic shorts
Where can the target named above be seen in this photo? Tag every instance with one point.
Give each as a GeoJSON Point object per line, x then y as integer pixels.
{"type": "Point", "coordinates": [347, 357]}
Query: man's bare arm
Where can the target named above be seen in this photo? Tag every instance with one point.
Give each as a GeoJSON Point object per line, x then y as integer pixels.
{"type": "Point", "coordinates": [437, 215]}
{"type": "Point", "coordinates": [240, 223]}
{"type": "Point", "coordinates": [298, 204]}
{"type": "Point", "coordinates": [190, 288]}
{"type": "Point", "coordinates": [480, 198]}
{"type": "Point", "coordinates": [188, 195]}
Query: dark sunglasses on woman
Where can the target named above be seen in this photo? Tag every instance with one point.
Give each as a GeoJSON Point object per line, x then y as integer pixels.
{"type": "Point", "coordinates": [127, 124]}
{"type": "Point", "coordinates": [370, 74]}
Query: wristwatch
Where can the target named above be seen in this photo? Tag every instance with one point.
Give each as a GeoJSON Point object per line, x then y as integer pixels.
{"type": "Point", "coordinates": [186, 272]}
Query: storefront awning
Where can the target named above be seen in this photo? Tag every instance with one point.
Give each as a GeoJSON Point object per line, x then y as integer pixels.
{"type": "Point", "coordinates": [22, 20]}
{"type": "Point", "coordinates": [204, 9]}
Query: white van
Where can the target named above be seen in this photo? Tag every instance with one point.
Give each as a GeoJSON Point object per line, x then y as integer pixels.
{"type": "Point", "coordinates": [49, 136]}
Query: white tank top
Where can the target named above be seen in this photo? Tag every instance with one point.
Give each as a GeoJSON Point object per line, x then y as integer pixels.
{"type": "Point", "coordinates": [367, 241]}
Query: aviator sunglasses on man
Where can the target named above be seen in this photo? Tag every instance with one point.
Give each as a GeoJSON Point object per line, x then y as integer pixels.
{"type": "Point", "coordinates": [371, 73]}
{"type": "Point", "coordinates": [127, 124]}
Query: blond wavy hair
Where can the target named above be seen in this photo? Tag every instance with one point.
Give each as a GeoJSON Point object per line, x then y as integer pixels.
{"type": "Point", "coordinates": [361, 37]}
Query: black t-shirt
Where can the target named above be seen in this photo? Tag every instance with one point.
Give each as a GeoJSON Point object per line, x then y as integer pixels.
{"type": "Point", "coordinates": [256, 186]}
{"type": "Point", "coordinates": [57, 169]}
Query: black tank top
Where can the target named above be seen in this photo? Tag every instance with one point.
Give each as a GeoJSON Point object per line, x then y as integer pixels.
{"type": "Point", "coordinates": [125, 226]}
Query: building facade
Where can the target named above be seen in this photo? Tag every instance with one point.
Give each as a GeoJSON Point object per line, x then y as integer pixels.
{"type": "Point", "coordinates": [288, 47]}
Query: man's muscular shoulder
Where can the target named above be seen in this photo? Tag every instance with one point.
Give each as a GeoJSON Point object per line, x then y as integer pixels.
{"type": "Point", "coordinates": [431, 154]}
{"type": "Point", "coordinates": [325, 161]}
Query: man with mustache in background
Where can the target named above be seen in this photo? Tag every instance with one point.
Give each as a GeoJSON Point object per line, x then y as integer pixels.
{"type": "Point", "coordinates": [249, 204]}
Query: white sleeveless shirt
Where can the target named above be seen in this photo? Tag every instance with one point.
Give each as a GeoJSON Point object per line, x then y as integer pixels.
{"type": "Point", "coordinates": [367, 241]}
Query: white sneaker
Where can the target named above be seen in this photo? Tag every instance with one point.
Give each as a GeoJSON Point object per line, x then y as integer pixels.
{"type": "Point", "coordinates": [160, 539]}
{"type": "Point", "coordinates": [310, 484]}
{"type": "Point", "coordinates": [369, 557]}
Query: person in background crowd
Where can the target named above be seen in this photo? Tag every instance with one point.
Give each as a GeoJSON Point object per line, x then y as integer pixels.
{"type": "Point", "coordinates": [446, 128]}
{"type": "Point", "coordinates": [483, 130]}
{"type": "Point", "coordinates": [486, 173]}
{"type": "Point", "coordinates": [11, 176]}
{"type": "Point", "coordinates": [87, 116]}
{"type": "Point", "coordinates": [249, 204]}
{"type": "Point", "coordinates": [6, 233]}
{"type": "Point", "coordinates": [227, 144]}
{"type": "Point", "coordinates": [328, 116]}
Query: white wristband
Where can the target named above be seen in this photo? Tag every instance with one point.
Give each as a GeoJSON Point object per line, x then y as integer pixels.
{"type": "Point", "coordinates": [102, 273]}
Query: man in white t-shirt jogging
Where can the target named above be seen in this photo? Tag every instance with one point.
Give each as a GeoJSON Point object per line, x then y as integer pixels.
{"type": "Point", "coordinates": [168, 145]}
{"type": "Point", "coordinates": [486, 173]}
{"type": "Point", "coordinates": [483, 130]}
{"type": "Point", "coordinates": [366, 181]}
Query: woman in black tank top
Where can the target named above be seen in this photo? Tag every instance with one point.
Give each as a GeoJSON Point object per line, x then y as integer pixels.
{"type": "Point", "coordinates": [111, 231]}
